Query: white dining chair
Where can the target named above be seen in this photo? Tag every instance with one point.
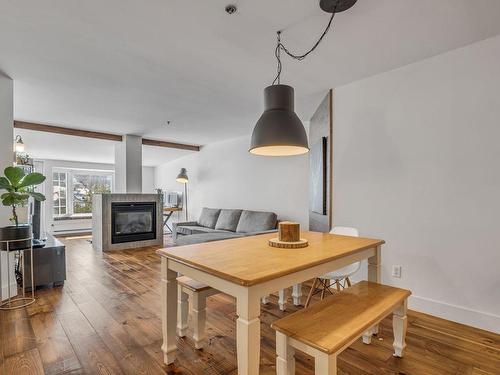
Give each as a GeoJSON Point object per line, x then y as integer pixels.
{"type": "Point", "coordinates": [338, 278]}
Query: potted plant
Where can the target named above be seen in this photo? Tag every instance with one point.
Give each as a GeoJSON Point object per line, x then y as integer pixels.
{"type": "Point", "coordinates": [19, 187]}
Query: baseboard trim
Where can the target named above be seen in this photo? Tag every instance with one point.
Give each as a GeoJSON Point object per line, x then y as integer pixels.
{"type": "Point", "coordinates": [474, 318]}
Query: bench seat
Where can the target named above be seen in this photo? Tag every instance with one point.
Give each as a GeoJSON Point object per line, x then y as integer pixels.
{"type": "Point", "coordinates": [331, 325]}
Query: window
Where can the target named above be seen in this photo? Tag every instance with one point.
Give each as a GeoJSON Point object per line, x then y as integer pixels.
{"type": "Point", "coordinates": [84, 185]}
{"type": "Point", "coordinates": [60, 193]}
{"type": "Point", "coordinates": [73, 190]}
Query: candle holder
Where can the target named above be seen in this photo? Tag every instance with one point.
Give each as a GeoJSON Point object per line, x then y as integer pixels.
{"type": "Point", "coordinates": [288, 236]}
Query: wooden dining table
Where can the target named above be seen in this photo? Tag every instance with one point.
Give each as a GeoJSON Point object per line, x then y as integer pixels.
{"type": "Point", "coordinates": [247, 268]}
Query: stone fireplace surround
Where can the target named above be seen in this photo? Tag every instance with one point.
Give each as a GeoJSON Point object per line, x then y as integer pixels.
{"type": "Point", "coordinates": [101, 221]}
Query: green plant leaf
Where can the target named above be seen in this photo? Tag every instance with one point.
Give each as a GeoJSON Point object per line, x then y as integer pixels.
{"type": "Point", "coordinates": [37, 196]}
{"type": "Point", "coordinates": [8, 200]}
{"type": "Point", "coordinates": [14, 174]}
{"type": "Point", "coordinates": [5, 183]}
{"type": "Point", "coordinates": [32, 179]}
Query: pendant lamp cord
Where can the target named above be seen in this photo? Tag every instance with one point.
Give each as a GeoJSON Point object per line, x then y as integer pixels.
{"type": "Point", "coordinates": [281, 47]}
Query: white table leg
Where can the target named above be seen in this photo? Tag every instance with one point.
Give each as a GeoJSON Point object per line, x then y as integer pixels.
{"type": "Point", "coordinates": [374, 275]}
{"type": "Point", "coordinates": [282, 297]}
{"type": "Point", "coordinates": [285, 360]}
{"type": "Point", "coordinates": [297, 294]}
{"type": "Point", "coordinates": [248, 334]}
{"type": "Point", "coordinates": [182, 311]}
{"type": "Point", "coordinates": [169, 311]}
{"type": "Point", "coordinates": [199, 319]}
{"type": "Point", "coordinates": [325, 364]}
{"type": "Point", "coordinates": [399, 326]}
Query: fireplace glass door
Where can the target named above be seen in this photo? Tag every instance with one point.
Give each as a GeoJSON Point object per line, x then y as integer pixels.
{"type": "Point", "coordinates": [133, 222]}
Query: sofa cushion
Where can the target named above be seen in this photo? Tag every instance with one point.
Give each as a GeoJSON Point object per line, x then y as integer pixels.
{"type": "Point", "coordinates": [256, 221]}
{"type": "Point", "coordinates": [228, 220]}
{"type": "Point", "coordinates": [208, 217]}
{"type": "Point", "coordinates": [205, 237]}
{"type": "Point", "coordinates": [196, 229]}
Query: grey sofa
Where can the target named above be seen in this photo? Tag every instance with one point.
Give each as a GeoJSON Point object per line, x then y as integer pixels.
{"type": "Point", "coordinates": [218, 224]}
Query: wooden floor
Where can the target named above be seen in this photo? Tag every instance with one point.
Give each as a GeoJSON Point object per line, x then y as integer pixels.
{"type": "Point", "coordinates": [105, 320]}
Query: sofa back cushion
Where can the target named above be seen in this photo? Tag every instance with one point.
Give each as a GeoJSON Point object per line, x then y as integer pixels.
{"type": "Point", "coordinates": [228, 220]}
{"type": "Point", "coordinates": [256, 221]}
{"type": "Point", "coordinates": [208, 217]}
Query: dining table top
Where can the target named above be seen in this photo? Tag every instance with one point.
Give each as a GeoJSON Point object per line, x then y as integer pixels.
{"type": "Point", "coordinates": [250, 260]}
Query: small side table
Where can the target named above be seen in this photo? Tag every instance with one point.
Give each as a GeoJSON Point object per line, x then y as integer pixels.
{"type": "Point", "coordinates": [18, 301]}
{"type": "Point", "coordinates": [167, 213]}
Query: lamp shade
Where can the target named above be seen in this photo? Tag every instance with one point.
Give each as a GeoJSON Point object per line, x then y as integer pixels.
{"type": "Point", "coordinates": [182, 176]}
{"type": "Point", "coordinates": [279, 131]}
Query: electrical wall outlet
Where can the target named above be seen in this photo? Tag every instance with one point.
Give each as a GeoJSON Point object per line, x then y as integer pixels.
{"type": "Point", "coordinates": [396, 271]}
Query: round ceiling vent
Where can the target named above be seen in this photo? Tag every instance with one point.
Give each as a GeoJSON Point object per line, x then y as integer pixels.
{"type": "Point", "coordinates": [231, 9]}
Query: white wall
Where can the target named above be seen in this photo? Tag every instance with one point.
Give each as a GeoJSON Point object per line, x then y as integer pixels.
{"type": "Point", "coordinates": [417, 163]}
{"type": "Point", "coordinates": [6, 157]}
{"type": "Point", "coordinates": [226, 175]}
{"type": "Point", "coordinates": [81, 224]}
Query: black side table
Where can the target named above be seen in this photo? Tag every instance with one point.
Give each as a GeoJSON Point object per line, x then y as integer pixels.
{"type": "Point", "coordinates": [49, 263]}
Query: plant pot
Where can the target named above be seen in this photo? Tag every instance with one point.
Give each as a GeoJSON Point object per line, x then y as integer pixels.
{"type": "Point", "coordinates": [12, 233]}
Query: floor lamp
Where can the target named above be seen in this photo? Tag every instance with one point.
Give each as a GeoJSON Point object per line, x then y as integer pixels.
{"type": "Point", "coordinates": [183, 179]}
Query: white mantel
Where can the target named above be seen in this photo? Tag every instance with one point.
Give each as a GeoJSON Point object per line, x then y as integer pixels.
{"type": "Point", "coordinates": [101, 221]}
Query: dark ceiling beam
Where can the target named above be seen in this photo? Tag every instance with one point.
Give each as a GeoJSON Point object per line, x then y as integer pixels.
{"type": "Point", "coordinates": [180, 146]}
{"type": "Point", "coordinates": [98, 135]}
{"type": "Point", "coordinates": [66, 131]}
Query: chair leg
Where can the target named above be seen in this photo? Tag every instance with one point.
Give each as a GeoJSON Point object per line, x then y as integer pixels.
{"type": "Point", "coordinates": [324, 285]}
{"type": "Point", "coordinates": [199, 318]}
{"type": "Point", "coordinates": [399, 326]}
{"type": "Point", "coordinates": [348, 281]}
{"type": "Point", "coordinates": [338, 285]}
{"type": "Point", "coordinates": [325, 364]}
{"type": "Point", "coordinates": [282, 297]}
{"type": "Point", "coordinates": [285, 360]}
{"type": "Point", "coordinates": [311, 292]}
{"type": "Point", "coordinates": [182, 311]}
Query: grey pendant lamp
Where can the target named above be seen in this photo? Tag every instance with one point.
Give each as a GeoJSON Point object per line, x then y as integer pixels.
{"type": "Point", "coordinates": [279, 131]}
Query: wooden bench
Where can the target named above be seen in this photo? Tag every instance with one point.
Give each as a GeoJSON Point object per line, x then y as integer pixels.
{"type": "Point", "coordinates": [198, 293]}
{"type": "Point", "coordinates": [326, 328]}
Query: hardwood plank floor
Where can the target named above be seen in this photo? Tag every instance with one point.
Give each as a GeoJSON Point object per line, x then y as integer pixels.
{"type": "Point", "coordinates": [105, 320]}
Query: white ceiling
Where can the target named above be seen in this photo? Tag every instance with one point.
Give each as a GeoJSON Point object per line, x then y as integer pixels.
{"type": "Point", "coordinates": [127, 66]}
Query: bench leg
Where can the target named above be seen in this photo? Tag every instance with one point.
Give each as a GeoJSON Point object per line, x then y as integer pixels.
{"type": "Point", "coordinates": [297, 294]}
{"type": "Point", "coordinates": [282, 296]}
{"type": "Point", "coordinates": [325, 364]}
{"type": "Point", "coordinates": [182, 311]}
{"type": "Point", "coordinates": [367, 336]}
{"type": "Point", "coordinates": [199, 317]}
{"type": "Point", "coordinates": [399, 326]}
{"type": "Point", "coordinates": [285, 360]}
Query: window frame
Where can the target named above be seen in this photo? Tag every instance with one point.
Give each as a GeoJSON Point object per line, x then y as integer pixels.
{"type": "Point", "coordinates": [70, 172]}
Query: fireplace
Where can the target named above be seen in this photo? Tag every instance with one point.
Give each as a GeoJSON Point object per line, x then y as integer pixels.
{"type": "Point", "coordinates": [134, 221]}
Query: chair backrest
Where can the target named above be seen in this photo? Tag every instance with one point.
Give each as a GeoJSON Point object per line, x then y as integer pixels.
{"type": "Point", "coordinates": [351, 268]}
{"type": "Point", "coordinates": [345, 231]}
